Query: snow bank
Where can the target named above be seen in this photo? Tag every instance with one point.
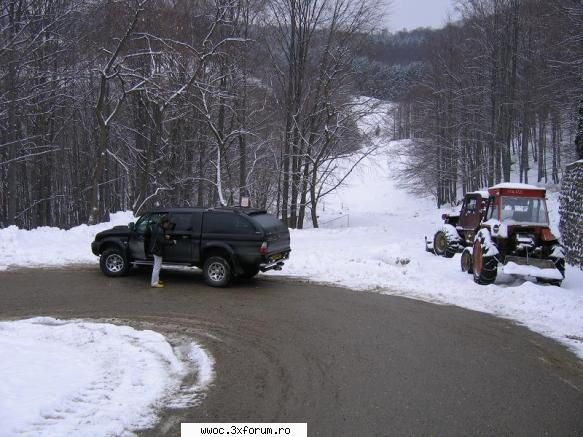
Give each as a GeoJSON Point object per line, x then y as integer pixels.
{"type": "Point", "coordinates": [75, 377]}
{"type": "Point", "coordinates": [46, 246]}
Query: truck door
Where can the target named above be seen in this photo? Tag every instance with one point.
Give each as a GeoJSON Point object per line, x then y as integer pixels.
{"type": "Point", "coordinates": [138, 241]}
{"type": "Point", "coordinates": [184, 233]}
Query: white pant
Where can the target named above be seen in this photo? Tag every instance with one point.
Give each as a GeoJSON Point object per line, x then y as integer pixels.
{"type": "Point", "coordinates": [156, 269]}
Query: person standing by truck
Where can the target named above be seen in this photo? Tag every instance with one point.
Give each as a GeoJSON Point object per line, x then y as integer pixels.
{"type": "Point", "coordinates": [159, 239]}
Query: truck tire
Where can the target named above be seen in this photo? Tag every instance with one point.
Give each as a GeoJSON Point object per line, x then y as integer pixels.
{"type": "Point", "coordinates": [217, 271]}
{"type": "Point", "coordinates": [114, 263]}
{"type": "Point", "coordinates": [467, 261]}
{"type": "Point", "coordinates": [442, 245]}
{"type": "Point", "coordinates": [485, 268]}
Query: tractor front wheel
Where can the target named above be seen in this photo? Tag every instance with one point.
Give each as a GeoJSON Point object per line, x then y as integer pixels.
{"type": "Point", "coordinates": [467, 261]}
{"type": "Point", "coordinates": [485, 267]}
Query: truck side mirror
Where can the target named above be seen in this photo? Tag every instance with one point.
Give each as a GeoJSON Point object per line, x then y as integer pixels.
{"type": "Point", "coordinates": [132, 226]}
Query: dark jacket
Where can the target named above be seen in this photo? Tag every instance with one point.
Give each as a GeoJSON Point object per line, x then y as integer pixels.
{"type": "Point", "coordinates": [157, 240]}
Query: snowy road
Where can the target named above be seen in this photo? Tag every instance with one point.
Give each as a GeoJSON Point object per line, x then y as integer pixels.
{"type": "Point", "coordinates": [348, 363]}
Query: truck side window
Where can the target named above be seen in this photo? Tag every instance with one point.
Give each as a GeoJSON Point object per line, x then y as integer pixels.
{"type": "Point", "coordinates": [227, 224]}
{"type": "Point", "coordinates": [182, 222]}
{"type": "Point", "coordinates": [146, 220]}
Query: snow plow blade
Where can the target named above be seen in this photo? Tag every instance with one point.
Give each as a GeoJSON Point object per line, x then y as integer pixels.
{"type": "Point", "coordinates": [538, 268]}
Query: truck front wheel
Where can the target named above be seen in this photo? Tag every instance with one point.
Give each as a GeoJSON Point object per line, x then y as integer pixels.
{"type": "Point", "coordinates": [114, 263]}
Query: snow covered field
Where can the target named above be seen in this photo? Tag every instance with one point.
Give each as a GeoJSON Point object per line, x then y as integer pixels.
{"type": "Point", "coordinates": [83, 378]}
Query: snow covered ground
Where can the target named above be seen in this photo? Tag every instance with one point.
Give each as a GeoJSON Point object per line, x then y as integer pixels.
{"type": "Point", "coordinates": [83, 378]}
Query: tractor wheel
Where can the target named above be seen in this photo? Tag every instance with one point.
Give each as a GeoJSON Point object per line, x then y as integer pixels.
{"type": "Point", "coordinates": [485, 267]}
{"type": "Point", "coordinates": [442, 245]}
{"type": "Point", "coordinates": [466, 261]}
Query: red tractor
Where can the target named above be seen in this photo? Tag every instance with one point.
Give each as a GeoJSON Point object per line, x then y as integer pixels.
{"type": "Point", "coordinates": [507, 226]}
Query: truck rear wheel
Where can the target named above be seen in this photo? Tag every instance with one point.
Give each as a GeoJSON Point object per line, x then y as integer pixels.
{"type": "Point", "coordinates": [442, 246]}
{"type": "Point", "coordinates": [217, 271]}
{"type": "Point", "coordinates": [485, 267]}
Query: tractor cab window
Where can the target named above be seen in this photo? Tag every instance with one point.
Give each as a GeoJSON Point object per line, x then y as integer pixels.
{"type": "Point", "coordinates": [471, 205]}
{"type": "Point", "coordinates": [493, 209]}
{"type": "Point", "coordinates": [524, 210]}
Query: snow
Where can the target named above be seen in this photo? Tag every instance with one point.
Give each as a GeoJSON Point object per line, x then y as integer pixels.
{"type": "Point", "coordinates": [46, 246]}
{"type": "Point", "coordinates": [451, 233]}
{"type": "Point", "coordinates": [516, 186]}
{"type": "Point", "coordinates": [536, 272]}
{"type": "Point", "coordinates": [483, 194]}
{"type": "Point", "coordinates": [85, 378]}
{"type": "Point", "coordinates": [487, 243]}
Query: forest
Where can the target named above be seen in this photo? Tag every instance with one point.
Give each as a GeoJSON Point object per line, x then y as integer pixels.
{"type": "Point", "coordinates": [501, 94]}
{"type": "Point", "coordinates": [110, 105]}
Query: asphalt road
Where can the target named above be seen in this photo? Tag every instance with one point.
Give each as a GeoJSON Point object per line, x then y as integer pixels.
{"type": "Point", "coordinates": [348, 363]}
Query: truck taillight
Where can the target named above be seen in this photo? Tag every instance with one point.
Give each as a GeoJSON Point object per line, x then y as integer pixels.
{"type": "Point", "coordinates": [263, 248]}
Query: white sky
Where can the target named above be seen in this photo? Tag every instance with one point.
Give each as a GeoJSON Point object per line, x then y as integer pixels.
{"type": "Point", "coordinates": [411, 14]}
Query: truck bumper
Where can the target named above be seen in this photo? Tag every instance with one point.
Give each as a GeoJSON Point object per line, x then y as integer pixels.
{"type": "Point", "coordinates": [271, 266]}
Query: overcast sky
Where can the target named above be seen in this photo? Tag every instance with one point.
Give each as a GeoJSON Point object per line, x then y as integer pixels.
{"type": "Point", "coordinates": [410, 14]}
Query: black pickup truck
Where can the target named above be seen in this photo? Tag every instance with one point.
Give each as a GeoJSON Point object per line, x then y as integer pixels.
{"type": "Point", "coordinates": [223, 242]}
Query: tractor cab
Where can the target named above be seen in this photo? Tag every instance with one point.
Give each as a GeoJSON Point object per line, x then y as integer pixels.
{"type": "Point", "coordinates": [518, 206]}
